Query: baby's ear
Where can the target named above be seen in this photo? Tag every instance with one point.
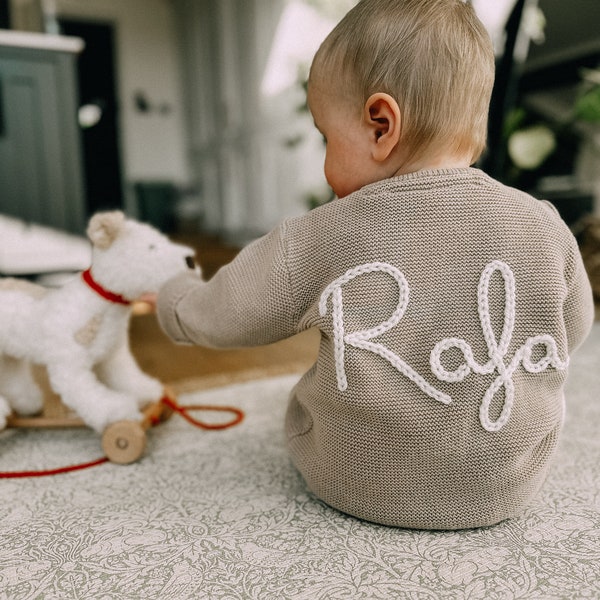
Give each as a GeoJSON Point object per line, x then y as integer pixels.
{"type": "Point", "coordinates": [104, 227]}
{"type": "Point", "coordinates": [382, 114]}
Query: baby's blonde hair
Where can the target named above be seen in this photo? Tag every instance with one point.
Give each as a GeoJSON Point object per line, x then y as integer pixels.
{"type": "Point", "coordinates": [434, 57]}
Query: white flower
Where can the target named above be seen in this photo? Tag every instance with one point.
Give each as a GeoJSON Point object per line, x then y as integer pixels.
{"type": "Point", "coordinates": [534, 24]}
{"type": "Point", "coordinates": [529, 148]}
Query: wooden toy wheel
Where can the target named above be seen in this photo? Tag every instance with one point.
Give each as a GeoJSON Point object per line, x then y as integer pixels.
{"type": "Point", "coordinates": [124, 442]}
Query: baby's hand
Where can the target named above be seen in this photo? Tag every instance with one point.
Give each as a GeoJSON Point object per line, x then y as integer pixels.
{"type": "Point", "coordinates": [149, 299]}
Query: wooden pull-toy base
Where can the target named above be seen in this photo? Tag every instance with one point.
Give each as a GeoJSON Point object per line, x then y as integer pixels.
{"type": "Point", "coordinates": [123, 442]}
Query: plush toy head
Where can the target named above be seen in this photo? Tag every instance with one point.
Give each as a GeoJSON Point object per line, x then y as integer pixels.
{"type": "Point", "coordinates": [131, 258]}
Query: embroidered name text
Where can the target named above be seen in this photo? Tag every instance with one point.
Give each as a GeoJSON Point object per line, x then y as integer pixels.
{"type": "Point", "coordinates": [497, 349]}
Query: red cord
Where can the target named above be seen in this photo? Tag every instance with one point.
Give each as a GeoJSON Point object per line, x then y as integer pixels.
{"type": "Point", "coordinates": [182, 410]}
{"type": "Point", "coordinates": [19, 474]}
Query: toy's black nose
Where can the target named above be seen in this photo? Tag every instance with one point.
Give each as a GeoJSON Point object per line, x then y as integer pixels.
{"type": "Point", "coordinates": [190, 262]}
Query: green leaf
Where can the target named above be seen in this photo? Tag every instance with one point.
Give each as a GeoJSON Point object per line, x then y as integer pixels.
{"type": "Point", "coordinates": [514, 120]}
{"type": "Point", "coordinates": [587, 107]}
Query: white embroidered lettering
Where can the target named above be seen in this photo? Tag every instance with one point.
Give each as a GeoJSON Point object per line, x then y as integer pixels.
{"type": "Point", "coordinates": [497, 350]}
{"type": "Point", "coordinates": [544, 345]}
{"type": "Point", "coordinates": [362, 339]}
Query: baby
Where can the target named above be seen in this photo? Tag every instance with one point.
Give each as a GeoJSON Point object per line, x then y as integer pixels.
{"type": "Point", "coordinates": [448, 304]}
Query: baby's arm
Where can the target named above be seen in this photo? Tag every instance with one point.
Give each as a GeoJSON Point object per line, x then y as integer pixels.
{"type": "Point", "coordinates": [248, 302]}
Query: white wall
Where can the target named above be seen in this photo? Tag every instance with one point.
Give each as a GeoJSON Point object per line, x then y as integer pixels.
{"type": "Point", "coordinates": [153, 144]}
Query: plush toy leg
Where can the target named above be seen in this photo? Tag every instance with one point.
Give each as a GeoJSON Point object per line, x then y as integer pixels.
{"type": "Point", "coordinates": [95, 403]}
{"type": "Point", "coordinates": [5, 411]}
{"type": "Point", "coordinates": [18, 386]}
{"type": "Point", "coordinates": [121, 372]}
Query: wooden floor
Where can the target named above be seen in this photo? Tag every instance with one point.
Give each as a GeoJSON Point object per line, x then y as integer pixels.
{"type": "Point", "coordinates": [192, 367]}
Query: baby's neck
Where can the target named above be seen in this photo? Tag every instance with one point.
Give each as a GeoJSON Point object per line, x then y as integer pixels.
{"type": "Point", "coordinates": [434, 163]}
{"type": "Point", "coordinates": [431, 162]}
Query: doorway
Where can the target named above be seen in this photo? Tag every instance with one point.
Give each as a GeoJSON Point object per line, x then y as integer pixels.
{"type": "Point", "coordinates": [98, 114]}
{"type": "Point", "coordinates": [4, 15]}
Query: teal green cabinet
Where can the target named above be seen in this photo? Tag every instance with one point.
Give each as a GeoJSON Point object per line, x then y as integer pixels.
{"type": "Point", "coordinates": [41, 172]}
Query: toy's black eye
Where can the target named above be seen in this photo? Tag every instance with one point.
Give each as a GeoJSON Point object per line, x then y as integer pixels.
{"type": "Point", "coordinates": [190, 262]}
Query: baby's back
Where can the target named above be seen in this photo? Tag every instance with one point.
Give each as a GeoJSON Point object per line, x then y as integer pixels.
{"type": "Point", "coordinates": [448, 306]}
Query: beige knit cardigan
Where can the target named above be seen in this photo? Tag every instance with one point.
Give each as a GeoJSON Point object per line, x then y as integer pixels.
{"type": "Point", "coordinates": [448, 306]}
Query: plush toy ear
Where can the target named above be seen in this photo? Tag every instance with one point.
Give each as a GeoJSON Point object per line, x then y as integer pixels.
{"type": "Point", "coordinates": [104, 228]}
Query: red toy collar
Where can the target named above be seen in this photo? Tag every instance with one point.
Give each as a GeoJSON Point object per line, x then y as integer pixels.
{"type": "Point", "coordinates": [106, 294]}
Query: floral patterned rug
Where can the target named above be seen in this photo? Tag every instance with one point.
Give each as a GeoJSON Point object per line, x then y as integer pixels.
{"type": "Point", "coordinates": [223, 514]}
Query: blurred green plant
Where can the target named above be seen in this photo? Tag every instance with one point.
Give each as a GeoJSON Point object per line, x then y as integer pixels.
{"type": "Point", "coordinates": [531, 142]}
{"type": "Point", "coordinates": [587, 106]}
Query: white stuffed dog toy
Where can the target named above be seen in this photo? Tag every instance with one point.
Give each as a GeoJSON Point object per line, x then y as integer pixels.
{"type": "Point", "coordinates": [80, 331]}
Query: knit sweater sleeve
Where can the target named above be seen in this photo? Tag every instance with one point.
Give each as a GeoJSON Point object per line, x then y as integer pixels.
{"type": "Point", "coordinates": [578, 307]}
{"type": "Point", "coordinates": [248, 302]}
